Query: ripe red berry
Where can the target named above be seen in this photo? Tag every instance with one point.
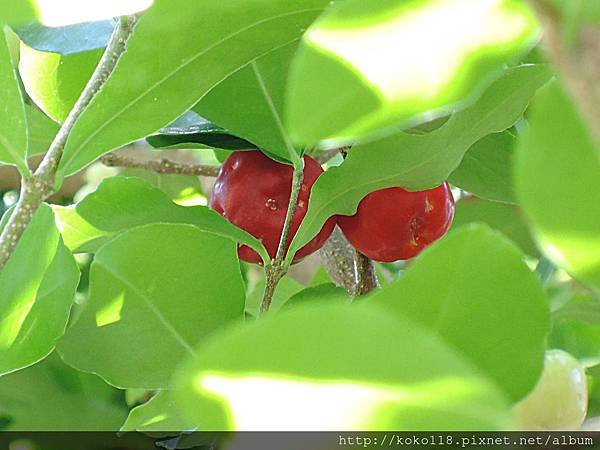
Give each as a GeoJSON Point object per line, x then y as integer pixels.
{"type": "Point", "coordinates": [252, 191]}
{"type": "Point", "coordinates": [393, 224]}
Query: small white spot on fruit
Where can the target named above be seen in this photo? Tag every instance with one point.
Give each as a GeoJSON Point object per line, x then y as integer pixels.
{"type": "Point", "coordinates": [301, 204]}
{"type": "Point", "coordinates": [428, 205]}
{"type": "Point", "coordinates": [304, 187]}
{"type": "Point", "coordinates": [271, 203]}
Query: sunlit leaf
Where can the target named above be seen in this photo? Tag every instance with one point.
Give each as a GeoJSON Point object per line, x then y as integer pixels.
{"type": "Point", "coordinates": [334, 368]}
{"type": "Point", "coordinates": [416, 161]}
{"type": "Point", "coordinates": [150, 305]}
{"type": "Point", "coordinates": [200, 43]}
{"type": "Point", "coordinates": [364, 66]}
{"type": "Point", "coordinates": [158, 415]}
{"type": "Point", "coordinates": [55, 81]}
{"type": "Point", "coordinates": [41, 131]}
{"type": "Point", "coordinates": [475, 291]}
{"type": "Point", "coordinates": [38, 286]}
{"type": "Point", "coordinates": [13, 127]}
{"type": "Point", "coordinates": [557, 179]}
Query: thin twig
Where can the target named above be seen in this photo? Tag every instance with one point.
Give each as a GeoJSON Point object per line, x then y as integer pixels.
{"type": "Point", "coordinates": [163, 165]}
{"type": "Point", "coordinates": [37, 187]}
{"type": "Point", "coordinates": [277, 269]}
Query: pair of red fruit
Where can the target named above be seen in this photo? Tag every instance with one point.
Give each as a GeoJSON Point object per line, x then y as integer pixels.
{"type": "Point", "coordinates": [252, 191]}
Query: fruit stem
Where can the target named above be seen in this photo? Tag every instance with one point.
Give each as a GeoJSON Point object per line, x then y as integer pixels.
{"type": "Point", "coordinates": [278, 268]}
{"type": "Point", "coordinates": [37, 187]}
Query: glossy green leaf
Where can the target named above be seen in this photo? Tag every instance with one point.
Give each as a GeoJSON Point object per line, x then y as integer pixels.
{"type": "Point", "coordinates": [250, 102]}
{"type": "Point", "coordinates": [41, 131]}
{"type": "Point", "coordinates": [192, 131]}
{"type": "Point", "coordinates": [38, 286]}
{"type": "Point", "coordinates": [362, 67]}
{"type": "Point", "coordinates": [557, 179]}
{"type": "Point", "coordinates": [415, 161]}
{"type": "Point", "coordinates": [201, 43]}
{"type": "Point", "coordinates": [486, 169]}
{"type": "Point", "coordinates": [155, 292]}
{"type": "Point", "coordinates": [475, 291]}
{"type": "Point", "coordinates": [55, 81]}
{"type": "Point", "coordinates": [13, 127]}
{"type": "Point", "coordinates": [78, 235]}
{"type": "Point", "coordinates": [335, 368]}
{"type": "Point", "coordinates": [69, 39]}
{"type": "Point", "coordinates": [123, 203]}
{"type": "Point", "coordinates": [52, 396]}
{"type": "Point", "coordinates": [508, 219]}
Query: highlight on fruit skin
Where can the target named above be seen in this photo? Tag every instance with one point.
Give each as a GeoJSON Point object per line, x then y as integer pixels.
{"type": "Point", "coordinates": [559, 400]}
{"type": "Point", "coordinates": [252, 191]}
{"type": "Point", "coordinates": [395, 224]}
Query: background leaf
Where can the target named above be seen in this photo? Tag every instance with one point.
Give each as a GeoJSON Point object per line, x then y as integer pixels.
{"type": "Point", "coordinates": [13, 128]}
{"type": "Point", "coordinates": [52, 396]}
{"type": "Point", "coordinates": [12, 12]}
{"type": "Point", "coordinates": [334, 367]}
{"type": "Point", "coordinates": [557, 179]}
{"type": "Point", "coordinates": [41, 131]}
{"type": "Point", "coordinates": [150, 305]}
{"type": "Point", "coordinates": [38, 286]}
{"type": "Point", "coordinates": [362, 67]}
{"type": "Point", "coordinates": [486, 169]}
{"type": "Point", "coordinates": [473, 289]}
{"type": "Point", "coordinates": [201, 43]}
{"type": "Point", "coordinates": [507, 219]}
{"type": "Point", "coordinates": [250, 102]}
{"type": "Point", "coordinates": [414, 161]}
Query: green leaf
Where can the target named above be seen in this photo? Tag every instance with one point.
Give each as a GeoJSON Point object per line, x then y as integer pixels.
{"type": "Point", "coordinates": [250, 102]}
{"type": "Point", "coordinates": [54, 81]}
{"type": "Point", "coordinates": [507, 219]}
{"type": "Point", "coordinates": [557, 179]}
{"type": "Point", "coordinates": [192, 131]}
{"type": "Point", "coordinates": [121, 203]}
{"type": "Point", "coordinates": [159, 414]}
{"type": "Point", "coordinates": [41, 131]}
{"type": "Point", "coordinates": [418, 162]}
{"type": "Point", "coordinates": [576, 328]}
{"type": "Point", "coordinates": [201, 43]}
{"type": "Point", "coordinates": [362, 67]}
{"type": "Point", "coordinates": [335, 368]}
{"type": "Point", "coordinates": [326, 293]}
{"type": "Point", "coordinates": [69, 39]}
{"type": "Point", "coordinates": [78, 235]}
{"type": "Point", "coordinates": [486, 169]}
{"type": "Point", "coordinates": [13, 128]}
{"type": "Point", "coordinates": [52, 396]}
{"type": "Point", "coordinates": [38, 286]}
{"type": "Point", "coordinates": [155, 292]}
{"type": "Point", "coordinates": [474, 290]}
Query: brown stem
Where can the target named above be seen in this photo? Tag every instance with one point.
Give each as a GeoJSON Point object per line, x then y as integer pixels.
{"type": "Point", "coordinates": [347, 267]}
{"type": "Point", "coordinates": [37, 187]}
{"type": "Point", "coordinates": [163, 165]}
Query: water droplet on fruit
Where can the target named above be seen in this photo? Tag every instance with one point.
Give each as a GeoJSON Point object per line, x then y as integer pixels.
{"type": "Point", "coordinates": [428, 205]}
{"type": "Point", "coordinates": [271, 203]}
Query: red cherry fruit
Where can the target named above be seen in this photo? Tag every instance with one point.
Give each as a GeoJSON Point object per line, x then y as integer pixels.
{"type": "Point", "coordinates": [253, 191]}
{"type": "Point", "coordinates": [393, 224]}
